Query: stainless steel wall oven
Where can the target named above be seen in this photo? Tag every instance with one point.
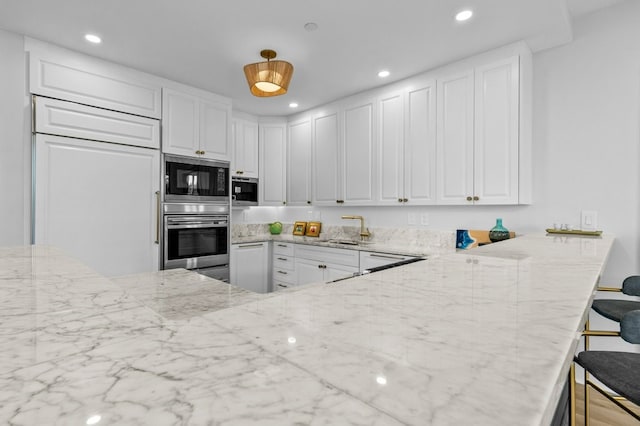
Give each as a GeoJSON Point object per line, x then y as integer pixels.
{"type": "Point", "coordinates": [196, 236]}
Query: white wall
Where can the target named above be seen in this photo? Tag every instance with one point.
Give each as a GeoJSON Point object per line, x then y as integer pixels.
{"type": "Point", "coordinates": [14, 142]}
{"type": "Point", "coordinates": [585, 146]}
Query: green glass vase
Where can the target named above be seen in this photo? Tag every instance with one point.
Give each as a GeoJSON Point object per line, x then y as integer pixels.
{"type": "Point", "coordinates": [498, 232]}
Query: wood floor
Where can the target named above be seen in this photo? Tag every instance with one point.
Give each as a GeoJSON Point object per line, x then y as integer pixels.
{"type": "Point", "coordinates": [603, 412]}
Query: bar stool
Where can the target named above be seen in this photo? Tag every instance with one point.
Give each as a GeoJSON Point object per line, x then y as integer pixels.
{"type": "Point", "coordinates": [619, 371]}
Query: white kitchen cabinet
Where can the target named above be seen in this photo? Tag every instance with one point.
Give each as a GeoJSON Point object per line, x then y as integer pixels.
{"type": "Point", "coordinates": [63, 74]}
{"type": "Point", "coordinates": [250, 266]}
{"type": "Point", "coordinates": [195, 125]}
{"type": "Point", "coordinates": [283, 266]}
{"type": "Point", "coordinates": [326, 172]}
{"type": "Point", "coordinates": [272, 186]}
{"type": "Point", "coordinates": [478, 135]}
{"type": "Point", "coordinates": [322, 264]}
{"type": "Point", "coordinates": [299, 162]}
{"type": "Point", "coordinates": [98, 202]}
{"type": "Point", "coordinates": [369, 259]}
{"type": "Point", "coordinates": [406, 167]}
{"type": "Point", "coordinates": [358, 150]}
{"type": "Point", "coordinates": [245, 148]}
{"type": "Point", "coordinates": [420, 144]}
{"type": "Point", "coordinates": [62, 118]}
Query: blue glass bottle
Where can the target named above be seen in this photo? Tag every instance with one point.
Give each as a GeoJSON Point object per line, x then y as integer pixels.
{"type": "Point", "coordinates": [498, 232]}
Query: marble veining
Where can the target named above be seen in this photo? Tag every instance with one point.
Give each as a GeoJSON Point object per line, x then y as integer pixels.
{"type": "Point", "coordinates": [479, 337]}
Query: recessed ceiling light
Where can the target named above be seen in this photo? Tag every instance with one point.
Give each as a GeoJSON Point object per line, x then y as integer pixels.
{"type": "Point", "coordinates": [310, 26]}
{"type": "Point", "coordinates": [293, 105]}
{"type": "Point", "coordinates": [383, 74]}
{"type": "Point", "coordinates": [464, 15]}
{"type": "Point", "coordinates": [92, 38]}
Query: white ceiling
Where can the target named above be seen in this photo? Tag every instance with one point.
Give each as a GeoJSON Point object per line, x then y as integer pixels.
{"type": "Point", "coordinates": [205, 43]}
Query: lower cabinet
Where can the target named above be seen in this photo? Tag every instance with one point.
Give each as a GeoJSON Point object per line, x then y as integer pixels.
{"type": "Point", "coordinates": [250, 266]}
{"type": "Point", "coordinates": [323, 264]}
{"type": "Point", "coordinates": [284, 267]}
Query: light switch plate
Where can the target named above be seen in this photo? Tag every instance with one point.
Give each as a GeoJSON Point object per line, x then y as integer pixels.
{"type": "Point", "coordinates": [424, 219]}
{"type": "Point", "coordinates": [412, 219]}
{"type": "Point", "coordinates": [588, 220]}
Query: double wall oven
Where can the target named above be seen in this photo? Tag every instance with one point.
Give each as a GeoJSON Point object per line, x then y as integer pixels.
{"type": "Point", "coordinates": [196, 216]}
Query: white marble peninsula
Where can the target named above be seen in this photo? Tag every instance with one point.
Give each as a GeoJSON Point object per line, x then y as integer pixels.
{"type": "Point", "coordinates": [483, 337]}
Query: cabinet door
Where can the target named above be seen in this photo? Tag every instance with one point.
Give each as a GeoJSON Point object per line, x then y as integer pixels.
{"type": "Point", "coordinates": [455, 139]}
{"type": "Point", "coordinates": [180, 124]}
{"type": "Point", "coordinates": [245, 149]}
{"type": "Point", "coordinates": [215, 130]}
{"type": "Point", "coordinates": [273, 152]}
{"type": "Point", "coordinates": [334, 272]}
{"type": "Point", "coordinates": [325, 159]}
{"type": "Point", "coordinates": [390, 170]}
{"type": "Point", "coordinates": [98, 202]}
{"type": "Point", "coordinates": [496, 132]}
{"type": "Point", "coordinates": [358, 152]}
{"type": "Point", "coordinates": [420, 145]}
{"type": "Point", "coordinates": [309, 271]}
{"type": "Point", "coordinates": [249, 269]}
{"type": "Point", "coordinates": [299, 173]}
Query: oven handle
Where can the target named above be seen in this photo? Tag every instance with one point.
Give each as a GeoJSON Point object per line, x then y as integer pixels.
{"type": "Point", "coordinates": [191, 225]}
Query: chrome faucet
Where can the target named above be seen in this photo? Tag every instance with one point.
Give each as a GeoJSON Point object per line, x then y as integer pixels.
{"type": "Point", "coordinates": [364, 232]}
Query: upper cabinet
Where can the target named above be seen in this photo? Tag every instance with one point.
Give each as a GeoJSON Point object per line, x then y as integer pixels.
{"type": "Point", "coordinates": [358, 150]}
{"type": "Point", "coordinates": [478, 135]}
{"type": "Point", "coordinates": [326, 159]}
{"type": "Point", "coordinates": [272, 187]}
{"type": "Point", "coordinates": [245, 148]}
{"type": "Point", "coordinates": [299, 162]}
{"type": "Point", "coordinates": [407, 146]}
{"type": "Point", "coordinates": [196, 125]}
{"type": "Point", "coordinates": [63, 74]}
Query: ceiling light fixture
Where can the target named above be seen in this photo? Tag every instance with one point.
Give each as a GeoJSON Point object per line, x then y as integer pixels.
{"type": "Point", "coordinates": [270, 78]}
{"type": "Point", "coordinates": [92, 38]}
{"type": "Point", "coordinates": [464, 15]}
{"type": "Point", "coordinates": [293, 105]}
{"type": "Point", "coordinates": [383, 74]}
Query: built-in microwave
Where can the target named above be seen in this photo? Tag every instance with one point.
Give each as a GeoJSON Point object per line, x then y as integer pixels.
{"type": "Point", "coordinates": [195, 180]}
{"type": "Point", "coordinates": [244, 191]}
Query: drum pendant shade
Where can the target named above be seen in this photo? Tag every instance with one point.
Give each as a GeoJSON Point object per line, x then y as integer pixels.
{"type": "Point", "coordinates": [270, 78]}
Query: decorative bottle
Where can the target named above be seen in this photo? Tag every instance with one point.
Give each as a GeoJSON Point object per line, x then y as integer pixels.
{"type": "Point", "coordinates": [498, 232]}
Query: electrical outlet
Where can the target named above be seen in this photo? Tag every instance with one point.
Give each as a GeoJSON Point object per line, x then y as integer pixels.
{"type": "Point", "coordinates": [412, 219]}
{"type": "Point", "coordinates": [589, 220]}
{"type": "Point", "coordinates": [424, 219]}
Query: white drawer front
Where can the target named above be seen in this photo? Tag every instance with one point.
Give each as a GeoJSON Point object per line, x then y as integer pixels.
{"type": "Point", "coordinates": [286, 249]}
{"type": "Point", "coordinates": [283, 262]}
{"type": "Point", "coordinates": [284, 275]}
{"type": "Point", "coordinates": [70, 119]}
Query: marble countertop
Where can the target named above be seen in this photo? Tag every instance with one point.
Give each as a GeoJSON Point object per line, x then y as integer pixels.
{"type": "Point", "coordinates": [480, 337]}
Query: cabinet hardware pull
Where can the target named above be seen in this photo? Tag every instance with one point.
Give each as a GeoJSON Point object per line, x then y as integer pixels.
{"type": "Point", "coordinates": [386, 256]}
{"type": "Point", "coordinates": [283, 272]}
{"type": "Point", "coordinates": [283, 258]}
{"type": "Point", "coordinates": [284, 202]}
{"type": "Point", "coordinates": [404, 200]}
{"type": "Point", "coordinates": [340, 201]}
{"type": "Point", "coordinates": [399, 200]}
{"type": "Point", "coordinates": [158, 208]}
{"type": "Point", "coordinates": [202, 152]}
{"type": "Point", "coordinates": [308, 202]}
{"type": "Point", "coordinates": [469, 199]}
{"type": "Point", "coordinates": [282, 245]}
{"type": "Point", "coordinates": [283, 286]}
{"type": "Point", "coordinates": [476, 198]}
{"type": "Point", "coordinates": [250, 245]}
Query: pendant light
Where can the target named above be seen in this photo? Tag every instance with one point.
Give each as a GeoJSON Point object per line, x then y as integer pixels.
{"type": "Point", "coordinates": [270, 78]}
